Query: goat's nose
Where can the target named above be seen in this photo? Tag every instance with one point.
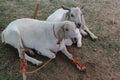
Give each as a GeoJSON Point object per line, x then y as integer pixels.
{"type": "Point", "coordinates": [74, 40]}
{"type": "Point", "coordinates": [78, 25]}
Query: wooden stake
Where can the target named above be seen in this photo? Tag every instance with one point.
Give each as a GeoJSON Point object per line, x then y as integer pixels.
{"type": "Point", "coordinates": [24, 76]}
{"type": "Point", "coordinates": [23, 58]}
{"type": "Point", "coordinates": [36, 9]}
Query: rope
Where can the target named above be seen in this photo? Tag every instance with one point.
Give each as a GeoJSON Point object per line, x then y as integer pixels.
{"type": "Point", "coordinates": [23, 65]}
{"type": "Point", "coordinates": [77, 63]}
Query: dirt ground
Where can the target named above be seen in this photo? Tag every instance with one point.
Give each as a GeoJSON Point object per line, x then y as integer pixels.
{"type": "Point", "coordinates": [102, 57]}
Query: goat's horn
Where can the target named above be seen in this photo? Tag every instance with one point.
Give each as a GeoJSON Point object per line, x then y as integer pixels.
{"type": "Point", "coordinates": [65, 8]}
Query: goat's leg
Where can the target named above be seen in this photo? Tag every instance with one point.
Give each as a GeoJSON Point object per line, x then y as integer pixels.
{"type": "Point", "coordinates": [21, 50]}
{"type": "Point", "coordinates": [83, 32]}
{"type": "Point", "coordinates": [79, 38]}
{"type": "Point", "coordinates": [64, 51]}
{"type": "Point", "coordinates": [46, 52]}
{"type": "Point", "coordinates": [28, 58]}
{"type": "Point", "coordinates": [75, 61]}
{"type": "Point", "coordinates": [90, 33]}
{"type": "Point", "coordinates": [34, 61]}
{"type": "Point", "coordinates": [30, 51]}
{"type": "Point", "coordinates": [84, 27]}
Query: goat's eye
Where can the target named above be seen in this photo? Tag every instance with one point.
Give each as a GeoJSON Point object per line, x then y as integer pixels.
{"type": "Point", "coordinates": [72, 15]}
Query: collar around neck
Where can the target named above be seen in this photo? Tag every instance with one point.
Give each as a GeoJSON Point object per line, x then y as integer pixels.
{"type": "Point", "coordinates": [56, 35]}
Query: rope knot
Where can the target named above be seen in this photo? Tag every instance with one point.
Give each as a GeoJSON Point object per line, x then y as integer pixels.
{"type": "Point", "coordinates": [23, 65]}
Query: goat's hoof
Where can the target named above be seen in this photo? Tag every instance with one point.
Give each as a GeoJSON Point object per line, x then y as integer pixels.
{"type": "Point", "coordinates": [83, 69]}
{"type": "Point", "coordinates": [85, 34]}
{"type": "Point", "coordinates": [79, 45]}
{"type": "Point", "coordinates": [94, 38]}
{"type": "Point", "coordinates": [30, 51]}
{"type": "Point", "coordinates": [38, 63]}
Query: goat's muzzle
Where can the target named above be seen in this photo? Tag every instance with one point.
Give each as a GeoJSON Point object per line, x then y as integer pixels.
{"type": "Point", "coordinates": [74, 40]}
{"type": "Point", "coordinates": [78, 25]}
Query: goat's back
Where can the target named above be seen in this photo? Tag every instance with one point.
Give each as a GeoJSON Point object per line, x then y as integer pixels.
{"type": "Point", "coordinates": [57, 15]}
{"type": "Point", "coordinates": [32, 32]}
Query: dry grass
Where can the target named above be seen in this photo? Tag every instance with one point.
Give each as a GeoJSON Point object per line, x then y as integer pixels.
{"type": "Point", "coordinates": [102, 58]}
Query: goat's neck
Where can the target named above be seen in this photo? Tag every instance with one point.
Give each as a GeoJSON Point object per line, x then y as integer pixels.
{"type": "Point", "coordinates": [57, 27]}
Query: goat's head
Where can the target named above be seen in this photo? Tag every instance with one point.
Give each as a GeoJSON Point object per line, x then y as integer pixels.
{"type": "Point", "coordinates": [67, 30]}
{"type": "Point", "coordinates": [75, 15]}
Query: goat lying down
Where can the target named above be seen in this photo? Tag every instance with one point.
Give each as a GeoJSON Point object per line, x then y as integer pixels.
{"type": "Point", "coordinates": [75, 15]}
{"type": "Point", "coordinates": [43, 36]}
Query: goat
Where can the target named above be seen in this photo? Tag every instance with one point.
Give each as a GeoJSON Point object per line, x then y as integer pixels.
{"type": "Point", "coordinates": [75, 15]}
{"type": "Point", "coordinates": [43, 36]}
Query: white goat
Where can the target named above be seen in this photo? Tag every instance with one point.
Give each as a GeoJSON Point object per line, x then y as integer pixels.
{"type": "Point", "coordinates": [43, 36]}
{"type": "Point", "coordinates": [75, 15]}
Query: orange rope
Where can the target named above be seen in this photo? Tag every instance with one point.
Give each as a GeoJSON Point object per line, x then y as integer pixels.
{"type": "Point", "coordinates": [24, 65]}
{"type": "Point", "coordinates": [76, 62]}
{"type": "Point", "coordinates": [31, 72]}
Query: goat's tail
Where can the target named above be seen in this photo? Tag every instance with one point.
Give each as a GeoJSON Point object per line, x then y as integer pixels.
{"type": "Point", "coordinates": [2, 37]}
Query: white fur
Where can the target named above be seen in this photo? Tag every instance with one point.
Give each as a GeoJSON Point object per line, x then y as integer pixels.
{"type": "Point", "coordinates": [60, 15]}
{"type": "Point", "coordinates": [37, 35]}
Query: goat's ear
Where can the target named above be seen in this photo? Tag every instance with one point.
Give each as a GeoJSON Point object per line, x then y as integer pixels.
{"type": "Point", "coordinates": [61, 34]}
{"type": "Point", "coordinates": [83, 21]}
{"type": "Point", "coordinates": [67, 16]}
{"type": "Point", "coordinates": [65, 8]}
